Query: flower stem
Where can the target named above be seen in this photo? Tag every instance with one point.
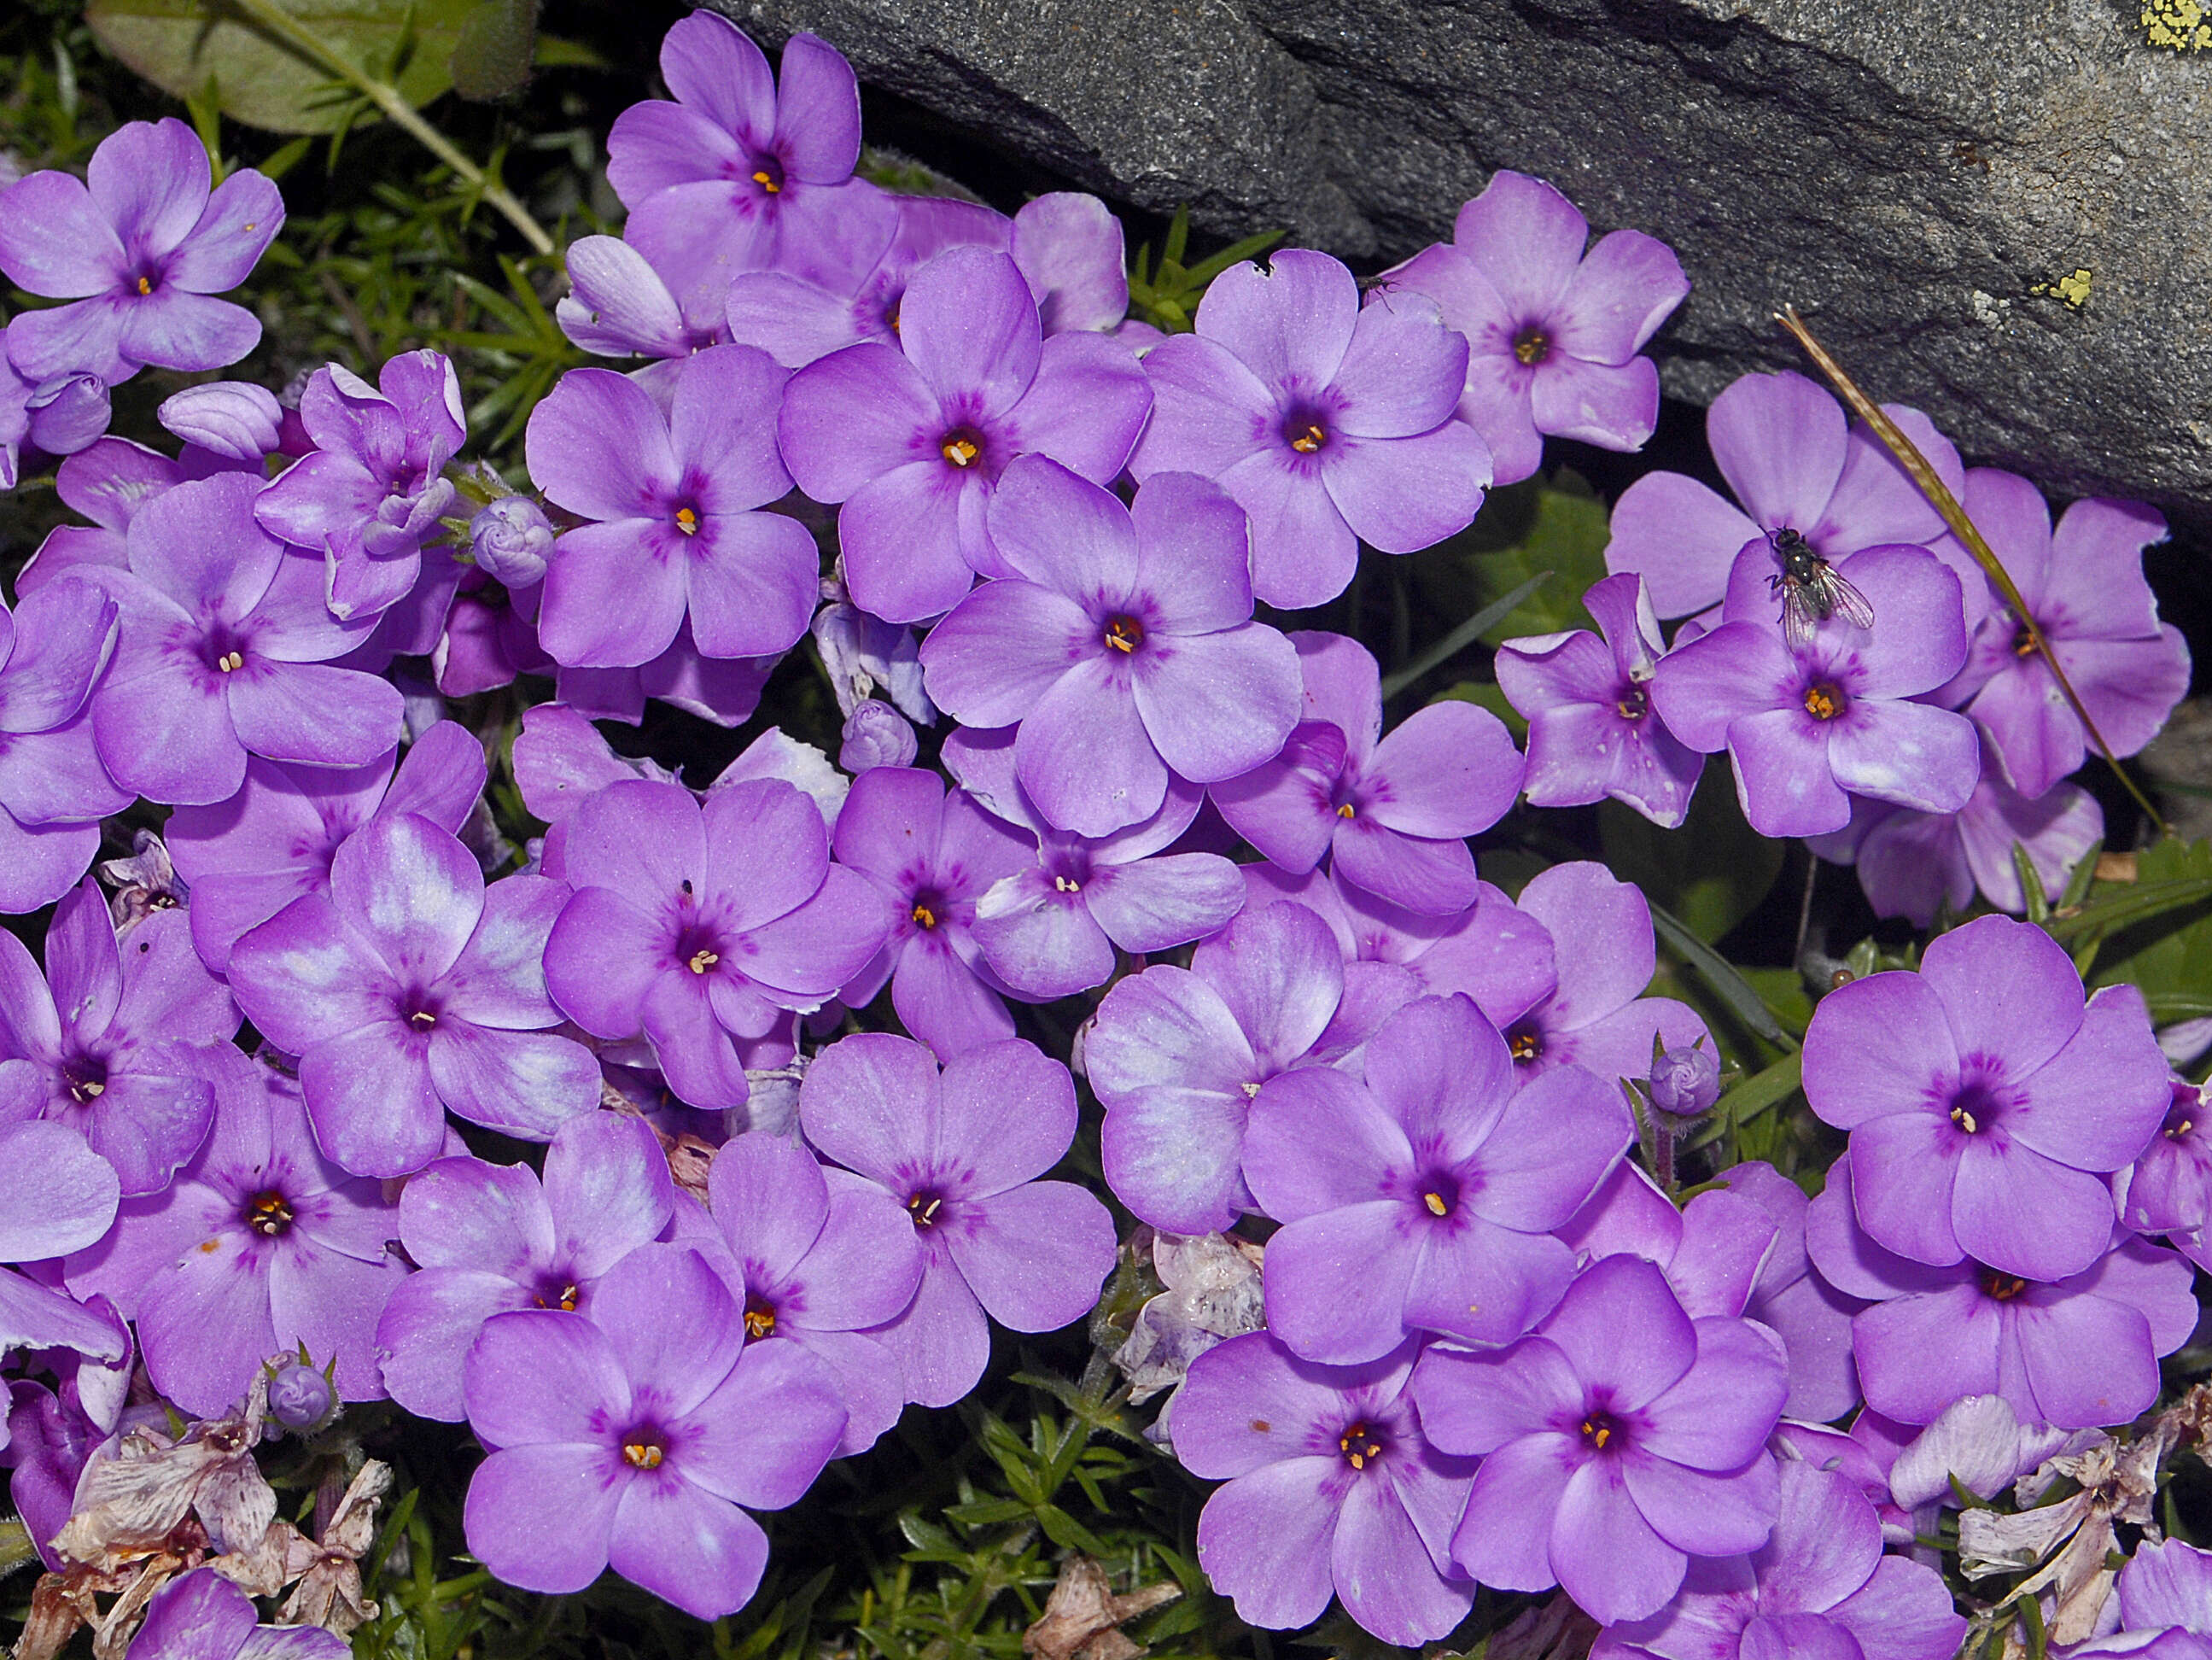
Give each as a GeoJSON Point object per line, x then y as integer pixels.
{"type": "Point", "coordinates": [16, 1550]}
{"type": "Point", "coordinates": [276, 21]}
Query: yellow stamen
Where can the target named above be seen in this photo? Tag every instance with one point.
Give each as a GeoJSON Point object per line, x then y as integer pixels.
{"type": "Point", "coordinates": [1345, 810]}
{"type": "Point", "coordinates": [1822, 702]}
{"type": "Point", "coordinates": [1066, 884]}
{"type": "Point", "coordinates": [422, 1020]}
{"type": "Point", "coordinates": [1436, 1203]}
{"type": "Point", "coordinates": [961, 451]}
{"type": "Point", "coordinates": [1532, 347]}
{"type": "Point", "coordinates": [2181, 1129]}
{"type": "Point", "coordinates": [1963, 1119]}
{"type": "Point", "coordinates": [231, 661]}
{"type": "Point", "coordinates": [759, 1322]}
{"type": "Point", "coordinates": [1310, 441]}
{"type": "Point", "coordinates": [1251, 1091]}
{"type": "Point", "coordinates": [1125, 634]}
{"type": "Point", "coordinates": [703, 959]}
{"type": "Point", "coordinates": [923, 1208]}
{"type": "Point", "coordinates": [145, 285]}
{"type": "Point", "coordinates": [1599, 1433]}
{"type": "Point", "coordinates": [923, 916]}
{"type": "Point", "coordinates": [641, 1455]}
{"type": "Point", "coordinates": [566, 1302]}
{"type": "Point", "coordinates": [270, 1215]}
{"type": "Point", "coordinates": [687, 521]}
{"type": "Point", "coordinates": [767, 183]}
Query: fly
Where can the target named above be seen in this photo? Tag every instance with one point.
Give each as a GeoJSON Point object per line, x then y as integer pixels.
{"type": "Point", "coordinates": [1810, 590]}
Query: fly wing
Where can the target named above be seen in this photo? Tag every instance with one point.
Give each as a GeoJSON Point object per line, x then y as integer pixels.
{"type": "Point", "coordinates": [1800, 617]}
{"type": "Point", "coordinates": [1848, 603]}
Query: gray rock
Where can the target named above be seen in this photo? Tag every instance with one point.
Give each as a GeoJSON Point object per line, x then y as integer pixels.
{"type": "Point", "coordinates": [1917, 178]}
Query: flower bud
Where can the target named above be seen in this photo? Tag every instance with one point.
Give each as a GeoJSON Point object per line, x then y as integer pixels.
{"type": "Point", "coordinates": [1686, 1082]}
{"type": "Point", "coordinates": [235, 419]}
{"type": "Point", "coordinates": [877, 735]}
{"type": "Point", "coordinates": [510, 539]}
{"type": "Point", "coordinates": [68, 413]}
{"type": "Point", "coordinates": [300, 1398]}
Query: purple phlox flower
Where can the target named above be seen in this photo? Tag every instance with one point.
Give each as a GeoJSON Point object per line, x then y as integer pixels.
{"type": "Point", "coordinates": [1809, 724]}
{"type": "Point", "coordinates": [2084, 586]}
{"type": "Point", "coordinates": [374, 488]}
{"type": "Point", "coordinates": [56, 414]}
{"type": "Point", "coordinates": [839, 295]}
{"type": "Point", "coordinates": [1977, 1442]}
{"type": "Point", "coordinates": [510, 539]}
{"type": "Point", "coordinates": [1797, 462]}
{"type": "Point", "coordinates": [108, 482]}
{"type": "Point", "coordinates": [122, 1047]}
{"type": "Point", "coordinates": [236, 420]}
{"type": "Point", "coordinates": [260, 1245]}
{"type": "Point", "coordinates": [409, 988]}
{"type": "Point", "coordinates": [1391, 813]}
{"type": "Point", "coordinates": [1712, 1250]}
{"type": "Point", "coordinates": [204, 1616]}
{"type": "Point", "coordinates": [934, 854]}
{"type": "Point", "coordinates": [1592, 731]}
{"type": "Point", "coordinates": [138, 247]}
{"type": "Point", "coordinates": [489, 1238]}
{"type": "Point", "coordinates": [1915, 864]}
{"type": "Point", "coordinates": [1122, 646]}
{"type": "Point", "coordinates": [1213, 1294]}
{"type": "Point", "coordinates": [53, 790]}
{"type": "Point", "coordinates": [1789, 1297]}
{"type": "Point", "coordinates": [1180, 1057]}
{"type": "Point", "coordinates": [1819, 1588]}
{"type": "Point", "coordinates": [619, 306]}
{"type": "Point", "coordinates": [962, 1152]}
{"type": "Point", "coordinates": [816, 1255]}
{"type": "Point", "coordinates": [1622, 1439]}
{"type": "Point", "coordinates": [699, 928]}
{"type": "Point", "coordinates": [725, 690]}
{"type": "Point", "coordinates": [1424, 1200]}
{"type": "Point", "coordinates": [50, 1434]}
{"type": "Point", "coordinates": [1493, 950]}
{"type": "Point", "coordinates": [1987, 1099]}
{"type": "Point", "coordinates": [1069, 249]}
{"type": "Point", "coordinates": [1330, 425]}
{"type": "Point", "coordinates": [2074, 1351]}
{"type": "Point", "coordinates": [2168, 1188]}
{"type": "Point", "coordinates": [1605, 954]}
{"type": "Point", "coordinates": [1553, 332]}
{"type": "Point", "coordinates": [865, 654]}
{"type": "Point", "coordinates": [673, 497]}
{"type": "Point", "coordinates": [224, 651]}
{"type": "Point", "coordinates": [776, 755]}
{"type": "Point", "coordinates": [272, 842]}
{"type": "Point", "coordinates": [1330, 1487]}
{"type": "Point", "coordinates": [877, 735]}
{"type": "Point", "coordinates": [2164, 1604]}
{"type": "Point", "coordinates": [914, 441]}
{"type": "Point", "coordinates": [490, 636]}
{"type": "Point", "coordinates": [1051, 929]}
{"type": "Point", "coordinates": [741, 172]}
{"type": "Point", "coordinates": [633, 1437]}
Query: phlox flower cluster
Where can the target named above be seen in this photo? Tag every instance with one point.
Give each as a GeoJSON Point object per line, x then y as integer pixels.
{"type": "Point", "coordinates": [679, 1150]}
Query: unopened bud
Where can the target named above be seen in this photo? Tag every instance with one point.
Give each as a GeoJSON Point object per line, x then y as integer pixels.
{"type": "Point", "coordinates": [510, 539]}
{"type": "Point", "coordinates": [300, 1397]}
{"type": "Point", "coordinates": [1686, 1082]}
{"type": "Point", "coordinates": [877, 735]}
{"type": "Point", "coordinates": [235, 419]}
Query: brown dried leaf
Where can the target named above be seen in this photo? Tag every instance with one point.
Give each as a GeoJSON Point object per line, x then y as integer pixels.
{"type": "Point", "coordinates": [1082, 1615]}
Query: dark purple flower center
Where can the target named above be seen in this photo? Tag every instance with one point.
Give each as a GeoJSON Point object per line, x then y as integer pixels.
{"type": "Point", "coordinates": [558, 1290]}
{"type": "Point", "coordinates": [1824, 700]}
{"type": "Point", "coordinates": [767, 172]}
{"type": "Point", "coordinates": [1439, 1192]}
{"type": "Point", "coordinates": [420, 1012]}
{"type": "Point", "coordinates": [697, 949]}
{"type": "Point", "coordinates": [644, 1446]}
{"type": "Point", "coordinates": [1633, 704]}
{"type": "Point", "coordinates": [1525, 1042]}
{"type": "Point", "coordinates": [686, 518]}
{"type": "Point", "coordinates": [1123, 633]}
{"type": "Point", "coordinates": [87, 1078]}
{"type": "Point", "coordinates": [1304, 431]}
{"type": "Point", "coordinates": [223, 649]}
{"type": "Point", "coordinates": [269, 1214]}
{"type": "Point", "coordinates": [929, 909]}
{"type": "Point", "coordinates": [962, 447]}
{"type": "Point", "coordinates": [2023, 642]}
{"type": "Point", "coordinates": [2182, 1115]}
{"type": "Point", "coordinates": [1532, 346]}
{"type": "Point", "coordinates": [760, 1318]}
{"type": "Point", "coordinates": [1599, 1431]}
{"type": "Point", "coordinates": [145, 279]}
{"type": "Point", "coordinates": [924, 1205]}
{"type": "Point", "coordinates": [1069, 868]}
{"type": "Point", "coordinates": [2000, 1286]}
{"type": "Point", "coordinates": [1360, 1442]}
{"type": "Point", "coordinates": [1975, 1108]}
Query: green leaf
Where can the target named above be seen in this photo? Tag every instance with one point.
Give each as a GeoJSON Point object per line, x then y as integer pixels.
{"type": "Point", "coordinates": [1464, 636]}
{"type": "Point", "coordinates": [181, 45]}
{"type": "Point", "coordinates": [497, 47]}
{"type": "Point", "coordinates": [1752, 1096]}
{"type": "Point", "coordinates": [2156, 931]}
{"type": "Point", "coordinates": [1713, 872]}
{"type": "Point", "coordinates": [556, 53]}
{"type": "Point", "coordinates": [1556, 524]}
{"type": "Point", "coordinates": [1745, 1004]}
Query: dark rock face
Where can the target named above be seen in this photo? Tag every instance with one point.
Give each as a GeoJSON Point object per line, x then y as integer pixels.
{"type": "Point", "coordinates": [1919, 176]}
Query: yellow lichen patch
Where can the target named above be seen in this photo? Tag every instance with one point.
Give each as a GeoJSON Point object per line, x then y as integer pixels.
{"type": "Point", "coordinates": [2178, 25]}
{"type": "Point", "coordinates": [2073, 290]}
